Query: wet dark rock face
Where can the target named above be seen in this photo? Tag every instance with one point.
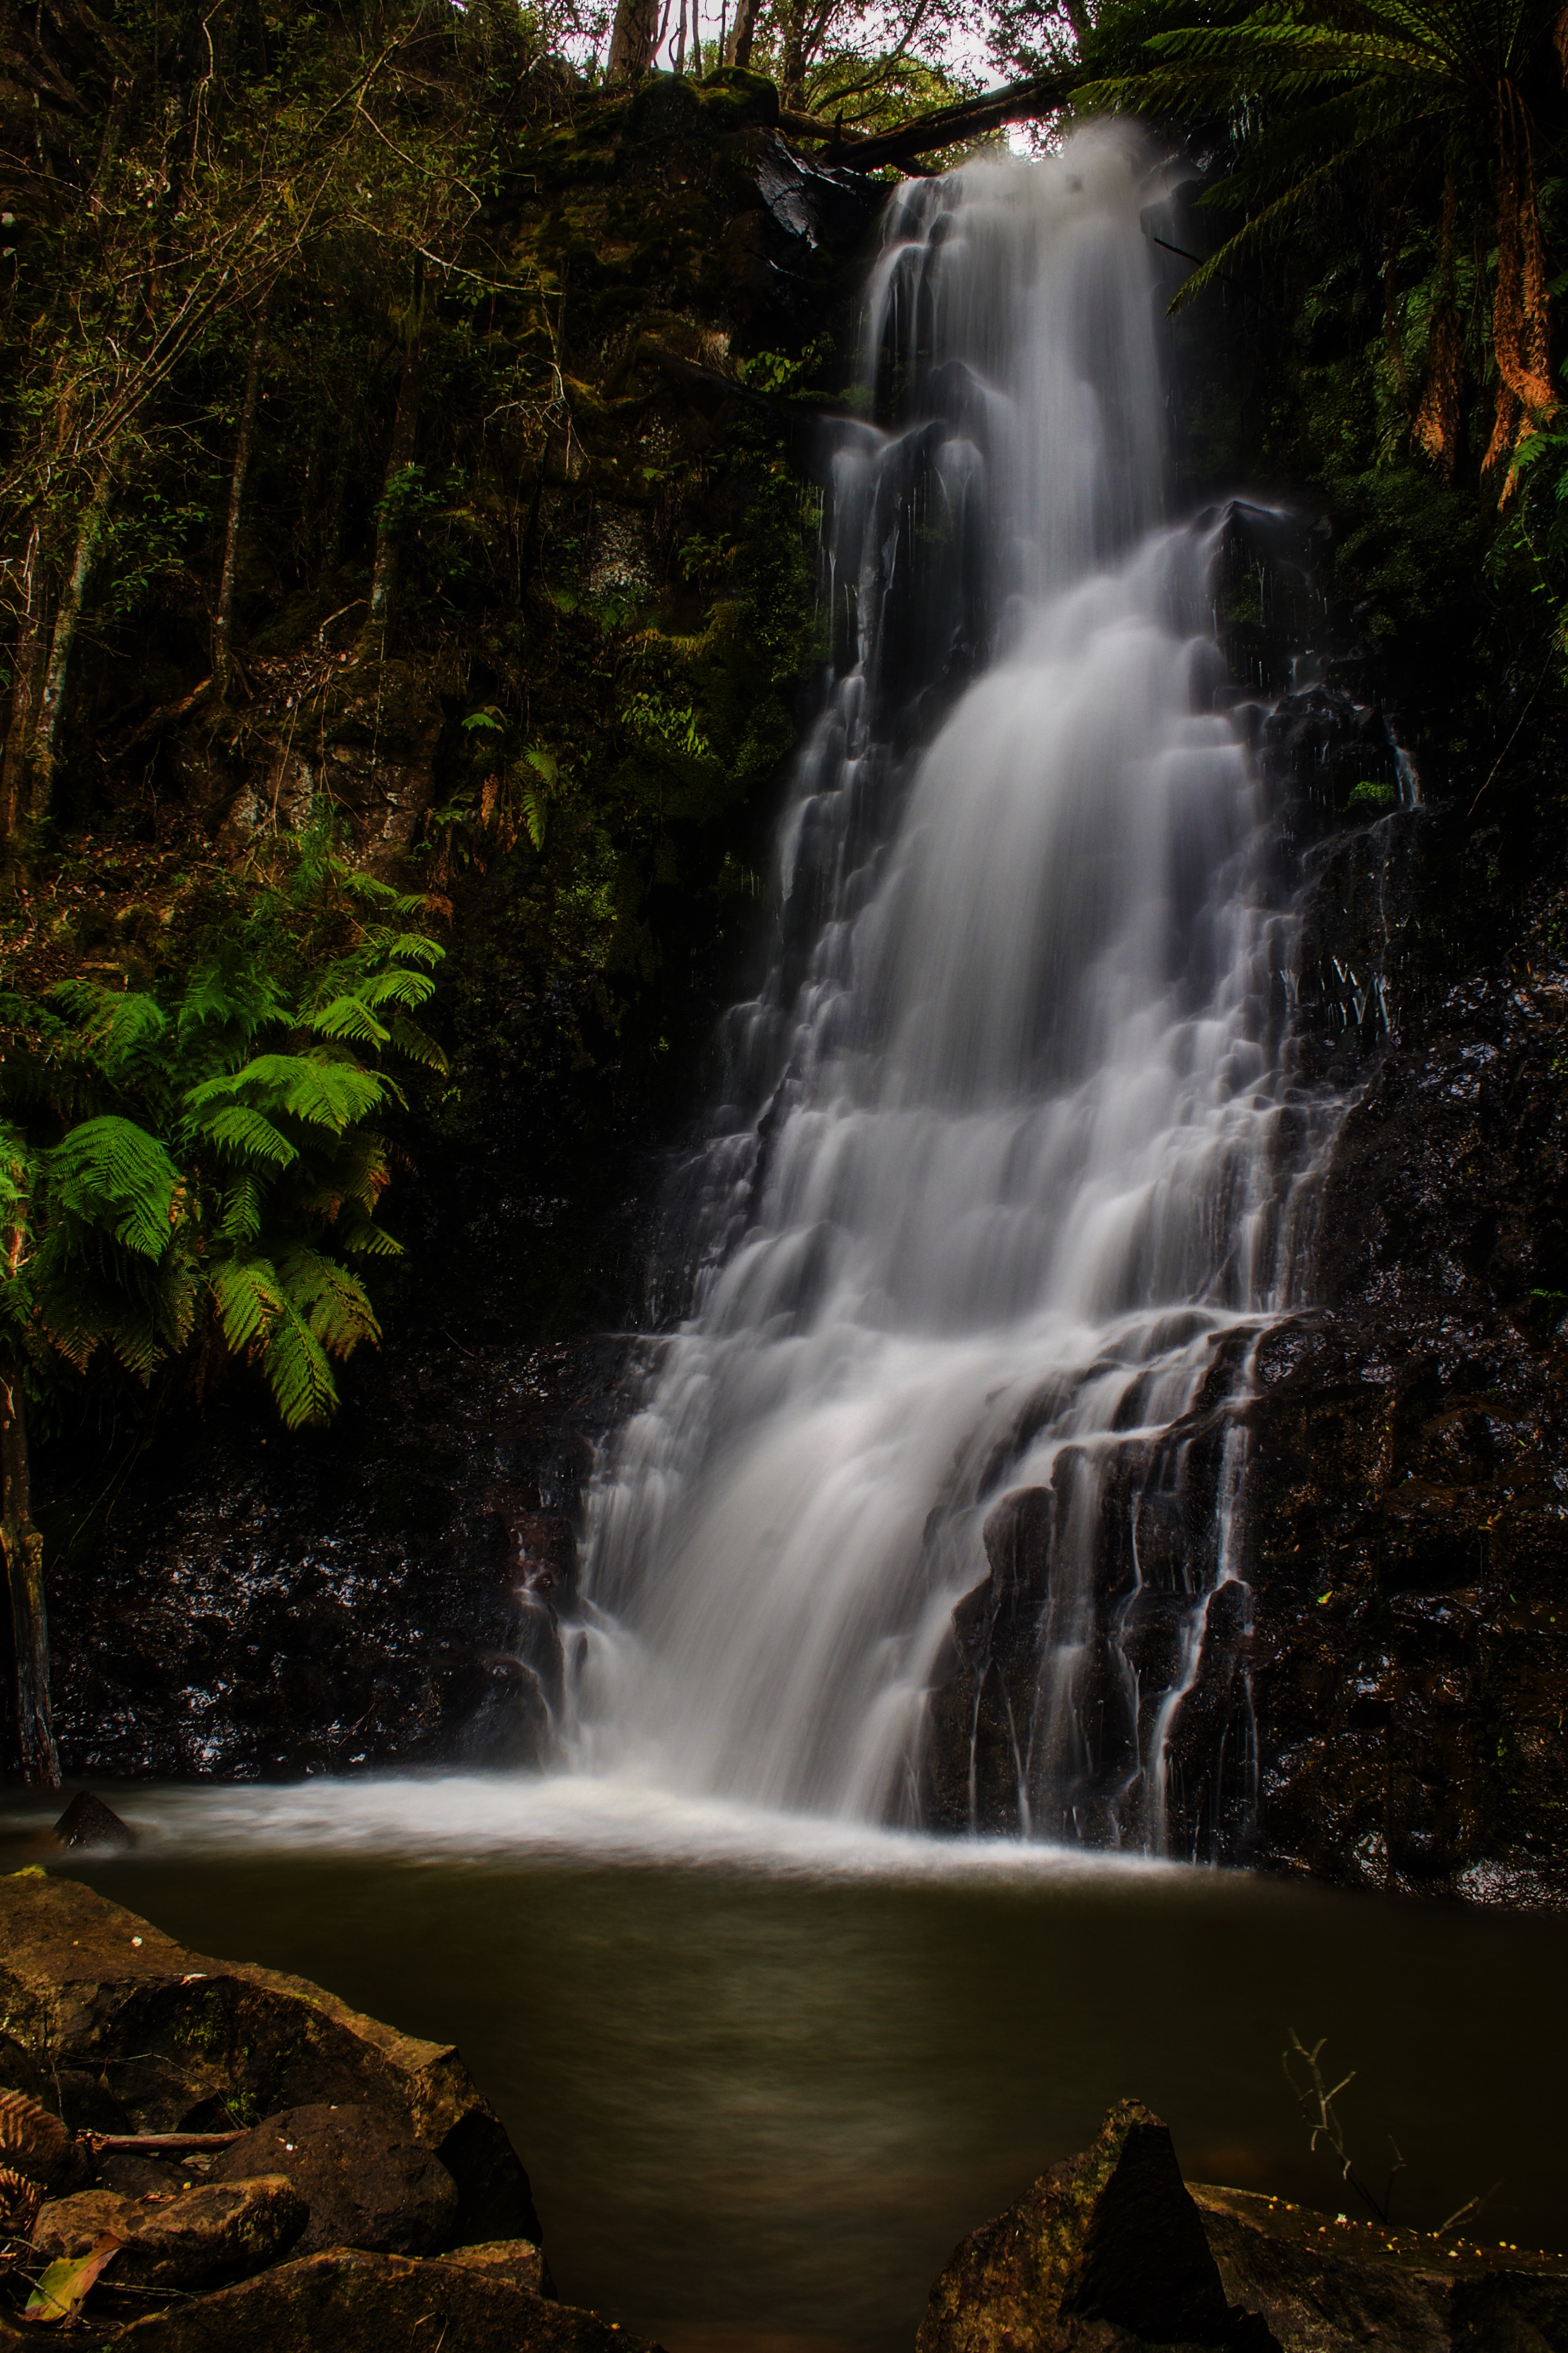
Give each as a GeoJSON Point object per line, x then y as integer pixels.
{"type": "Point", "coordinates": [1407, 1485]}
{"type": "Point", "coordinates": [382, 1592]}
{"type": "Point", "coordinates": [1378, 1700]}
{"type": "Point", "coordinates": [1188, 1781]}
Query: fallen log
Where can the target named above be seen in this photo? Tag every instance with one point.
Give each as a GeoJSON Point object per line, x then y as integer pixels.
{"type": "Point", "coordinates": [160, 2144]}
{"type": "Point", "coordinates": [944, 126]}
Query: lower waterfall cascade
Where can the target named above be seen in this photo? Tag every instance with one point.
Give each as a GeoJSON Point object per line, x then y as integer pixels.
{"type": "Point", "coordinates": [928, 1510]}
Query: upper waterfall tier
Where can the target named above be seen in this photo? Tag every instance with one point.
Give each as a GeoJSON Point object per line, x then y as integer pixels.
{"type": "Point", "coordinates": [1001, 1188]}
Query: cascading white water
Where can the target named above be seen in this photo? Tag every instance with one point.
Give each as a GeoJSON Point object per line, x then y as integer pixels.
{"type": "Point", "coordinates": [1001, 1166]}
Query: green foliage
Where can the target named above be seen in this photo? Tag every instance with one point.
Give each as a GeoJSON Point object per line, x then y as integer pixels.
{"type": "Point", "coordinates": [189, 1165]}
{"type": "Point", "coordinates": [1437, 118]}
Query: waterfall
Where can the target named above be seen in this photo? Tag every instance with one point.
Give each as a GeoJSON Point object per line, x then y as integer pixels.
{"type": "Point", "coordinates": [1010, 1171]}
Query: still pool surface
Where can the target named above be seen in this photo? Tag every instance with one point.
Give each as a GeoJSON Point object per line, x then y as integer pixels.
{"type": "Point", "coordinates": [764, 2072]}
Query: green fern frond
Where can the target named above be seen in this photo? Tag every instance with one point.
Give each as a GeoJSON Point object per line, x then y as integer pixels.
{"type": "Point", "coordinates": [1261, 230]}
{"type": "Point", "coordinates": [241, 1221]}
{"type": "Point", "coordinates": [406, 947]}
{"type": "Point", "coordinates": [356, 1171]}
{"type": "Point", "coordinates": [398, 987]}
{"type": "Point", "coordinates": [333, 1302]}
{"type": "Point", "coordinates": [417, 1043]}
{"type": "Point", "coordinates": [110, 1172]}
{"type": "Point", "coordinates": [297, 1372]}
{"type": "Point", "coordinates": [319, 1088]}
{"type": "Point", "coordinates": [247, 1133]}
{"type": "Point", "coordinates": [347, 1017]}
{"type": "Point", "coordinates": [367, 1240]}
{"type": "Point", "coordinates": [249, 1299]}
{"type": "Point", "coordinates": [232, 995]}
{"type": "Point", "coordinates": [135, 1341]}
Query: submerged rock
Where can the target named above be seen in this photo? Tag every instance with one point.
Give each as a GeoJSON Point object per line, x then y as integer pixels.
{"type": "Point", "coordinates": [88, 1821]}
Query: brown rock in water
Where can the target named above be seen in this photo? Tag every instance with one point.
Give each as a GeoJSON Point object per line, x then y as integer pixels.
{"type": "Point", "coordinates": [143, 2035]}
{"type": "Point", "coordinates": [1325, 2286]}
{"type": "Point", "coordinates": [1104, 2248]}
{"type": "Point", "coordinates": [88, 1821]}
{"type": "Point", "coordinates": [348, 2302]}
{"type": "Point", "coordinates": [194, 2239]}
{"type": "Point", "coordinates": [517, 2260]}
{"type": "Point", "coordinates": [367, 2180]}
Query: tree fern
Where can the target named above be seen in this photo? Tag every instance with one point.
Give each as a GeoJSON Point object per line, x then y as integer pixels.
{"type": "Point", "coordinates": [1435, 84]}
{"type": "Point", "coordinates": [203, 1151]}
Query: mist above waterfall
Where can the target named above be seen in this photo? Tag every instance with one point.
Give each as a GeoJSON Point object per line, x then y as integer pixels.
{"type": "Point", "coordinates": [1003, 1185]}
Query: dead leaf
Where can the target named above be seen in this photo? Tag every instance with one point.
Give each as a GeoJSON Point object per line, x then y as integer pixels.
{"type": "Point", "coordinates": [64, 2284]}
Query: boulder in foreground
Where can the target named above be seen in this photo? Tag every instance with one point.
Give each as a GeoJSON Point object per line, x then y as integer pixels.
{"type": "Point", "coordinates": [1325, 2286]}
{"type": "Point", "coordinates": [1112, 2252]}
{"type": "Point", "coordinates": [367, 2180]}
{"type": "Point", "coordinates": [1104, 2248]}
{"type": "Point", "coordinates": [124, 2031]}
{"type": "Point", "coordinates": [346, 2301]}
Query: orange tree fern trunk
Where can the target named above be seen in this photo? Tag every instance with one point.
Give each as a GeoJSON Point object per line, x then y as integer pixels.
{"type": "Point", "coordinates": [1521, 308]}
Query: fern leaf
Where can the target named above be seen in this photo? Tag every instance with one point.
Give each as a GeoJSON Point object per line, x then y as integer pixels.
{"type": "Point", "coordinates": [317, 1087]}
{"type": "Point", "coordinates": [110, 1172]}
{"type": "Point", "coordinates": [332, 1301]}
{"type": "Point", "coordinates": [249, 1299]}
{"type": "Point", "coordinates": [297, 1372]}
{"type": "Point", "coordinates": [348, 1016]}
{"type": "Point", "coordinates": [241, 1217]}
{"type": "Point", "coordinates": [366, 1241]}
{"type": "Point", "coordinates": [1261, 228]}
{"type": "Point", "coordinates": [246, 1134]}
{"type": "Point", "coordinates": [417, 1043]}
{"type": "Point", "coordinates": [398, 987]}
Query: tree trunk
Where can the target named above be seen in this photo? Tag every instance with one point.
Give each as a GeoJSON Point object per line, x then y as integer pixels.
{"type": "Point", "coordinates": [26, 676]}
{"type": "Point", "coordinates": [744, 32]}
{"type": "Point", "coordinates": [23, 1548]}
{"type": "Point", "coordinates": [223, 620]}
{"type": "Point", "coordinates": [388, 527]}
{"type": "Point", "coordinates": [633, 40]}
{"type": "Point", "coordinates": [62, 638]}
{"type": "Point", "coordinates": [791, 53]}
